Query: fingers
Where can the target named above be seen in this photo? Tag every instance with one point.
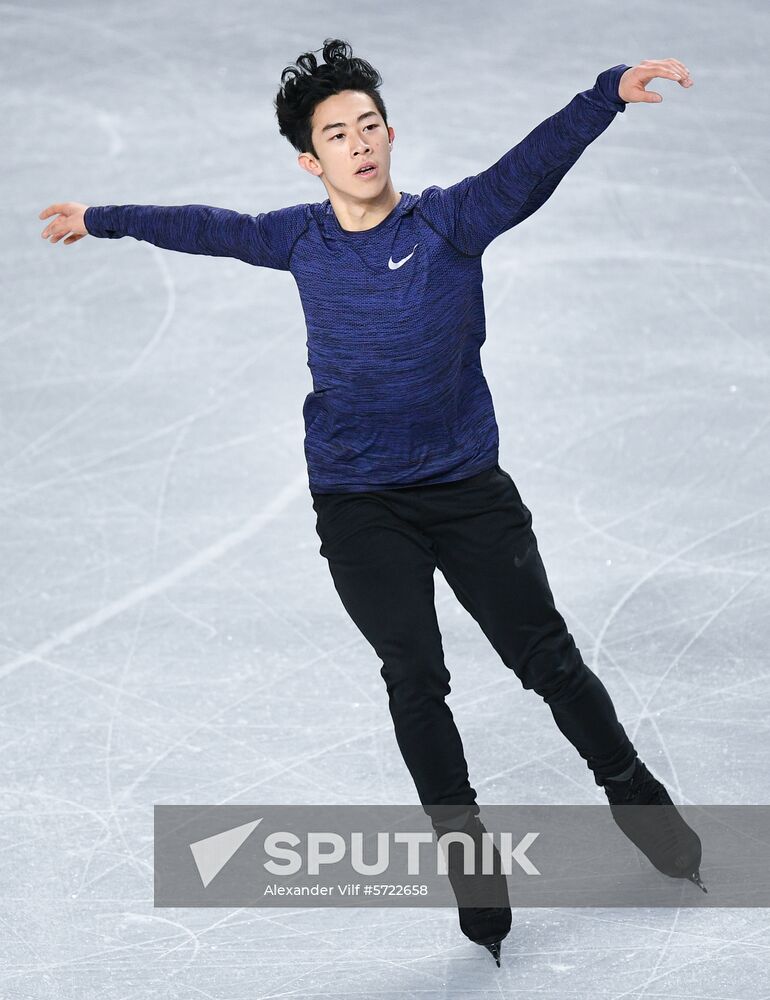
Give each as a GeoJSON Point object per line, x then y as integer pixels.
{"type": "Point", "coordinates": [50, 229]}
{"type": "Point", "coordinates": [672, 69]}
{"type": "Point", "coordinates": [679, 67]}
{"type": "Point", "coordinates": [668, 64]}
{"type": "Point", "coordinates": [51, 210]}
{"type": "Point", "coordinates": [55, 237]}
{"type": "Point", "coordinates": [681, 72]}
{"type": "Point", "coordinates": [59, 210]}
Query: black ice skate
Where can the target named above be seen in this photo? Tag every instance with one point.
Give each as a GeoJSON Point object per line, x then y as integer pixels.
{"type": "Point", "coordinates": [485, 925]}
{"type": "Point", "coordinates": [661, 833]}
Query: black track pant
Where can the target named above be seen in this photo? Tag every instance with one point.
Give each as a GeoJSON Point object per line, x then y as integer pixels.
{"type": "Point", "coordinates": [383, 547]}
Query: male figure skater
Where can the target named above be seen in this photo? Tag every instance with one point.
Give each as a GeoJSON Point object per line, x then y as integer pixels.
{"type": "Point", "coordinates": [401, 440]}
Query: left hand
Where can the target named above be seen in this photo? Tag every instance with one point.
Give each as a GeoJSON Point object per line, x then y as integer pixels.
{"type": "Point", "coordinates": [634, 80]}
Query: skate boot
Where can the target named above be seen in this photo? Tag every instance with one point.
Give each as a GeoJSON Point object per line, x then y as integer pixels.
{"type": "Point", "coordinates": [487, 922]}
{"type": "Point", "coordinates": [661, 833]}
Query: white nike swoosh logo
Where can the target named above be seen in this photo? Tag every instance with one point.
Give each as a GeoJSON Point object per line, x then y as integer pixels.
{"type": "Point", "coordinates": [393, 265]}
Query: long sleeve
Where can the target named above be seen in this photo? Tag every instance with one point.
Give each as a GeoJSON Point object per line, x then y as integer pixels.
{"type": "Point", "coordinates": [473, 212]}
{"type": "Point", "coordinates": [264, 240]}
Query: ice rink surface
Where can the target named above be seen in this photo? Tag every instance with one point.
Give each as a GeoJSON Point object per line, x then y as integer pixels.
{"type": "Point", "coordinates": [170, 633]}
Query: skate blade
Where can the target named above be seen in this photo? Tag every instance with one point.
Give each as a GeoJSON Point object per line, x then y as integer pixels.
{"type": "Point", "coordinates": [695, 877]}
{"type": "Point", "coordinates": [494, 949]}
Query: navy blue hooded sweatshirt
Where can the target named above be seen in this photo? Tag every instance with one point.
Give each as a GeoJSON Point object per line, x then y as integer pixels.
{"type": "Point", "coordinates": [394, 314]}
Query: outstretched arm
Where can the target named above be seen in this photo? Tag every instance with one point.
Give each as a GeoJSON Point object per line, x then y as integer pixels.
{"type": "Point", "coordinates": [265, 240]}
{"type": "Point", "coordinates": [473, 212]}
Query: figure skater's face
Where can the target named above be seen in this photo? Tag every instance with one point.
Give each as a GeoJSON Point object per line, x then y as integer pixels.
{"type": "Point", "coordinates": [348, 131]}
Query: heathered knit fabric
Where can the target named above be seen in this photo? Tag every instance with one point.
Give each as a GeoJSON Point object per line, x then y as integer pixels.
{"type": "Point", "coordinates": [399, 397]}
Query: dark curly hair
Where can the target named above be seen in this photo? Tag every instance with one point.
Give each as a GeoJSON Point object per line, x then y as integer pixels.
{"type": "Point", "coordinates": [302, 89]}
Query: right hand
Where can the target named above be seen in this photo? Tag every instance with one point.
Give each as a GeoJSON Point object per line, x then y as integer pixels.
{"type": "Point", "coordinates": [69, 219]}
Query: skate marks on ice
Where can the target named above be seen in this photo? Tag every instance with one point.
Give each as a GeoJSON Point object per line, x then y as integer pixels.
{"type": "Point", "coordinates": [204, 558]}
